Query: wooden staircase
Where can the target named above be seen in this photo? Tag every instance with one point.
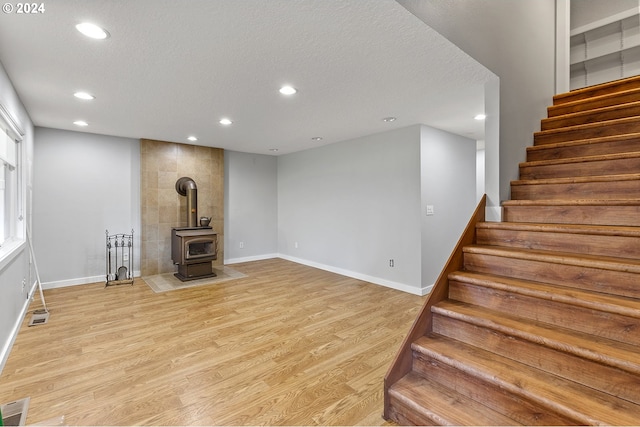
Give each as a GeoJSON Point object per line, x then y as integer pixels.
{"type": "Point", "coordinates": [536, 320]}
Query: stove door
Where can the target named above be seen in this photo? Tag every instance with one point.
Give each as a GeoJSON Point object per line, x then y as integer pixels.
{"type": "Point", "coordinates": [198, 248]}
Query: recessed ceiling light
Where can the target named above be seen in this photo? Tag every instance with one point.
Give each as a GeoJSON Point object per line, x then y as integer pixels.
{"type": "Point", "coordinates": [480, 117]}
{"type": "Point", "coordinates": [288, 90]}
{"type": "Point", "coordinates": [273, 149]}
{"type": "Point", "coordinates": [84, 95]}
{"type": "Point", "coordinates": [389, 119]}
{"type": "Point", "coordinates": [92, 30]}
{"type": "Point", "coordinates": [192, 138]}
{"type": "Point", "coordinates": [80, 123]}
{"type": "Point", "coordinates": [316, 138]}
{"type": "Point", "coordinates": [225, 121]}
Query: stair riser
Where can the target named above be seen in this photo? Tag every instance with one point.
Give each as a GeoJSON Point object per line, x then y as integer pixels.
{"type": "Point", "coordinates": [425, 402]}
{"type": "Point", "coordinates": [405, 415]}
{"type": "Point", "coordinates": [616, 146]}
{"type": "Point", "coordinates": [592, 104]}
{"type": "Point", "coordinates": [609, 282]}
{"type": "Point", "coordinates": [592, 168]}
{"type": "Point", "coordinates": [586, 132]}
{"type": "Point", "coordinates": [610, 88]}
{"type": "Point", "coordinates": [603, 190]}
{"type": "Point", "coordinates": [563, 364]}
{"type": "Point", "coordinates": [618, 246]}
{"type": "Point", "coordinates": [516, 407]}
{"type": "Point", "coordinates": [607, 325]}
{"type": "Point", "coordinates": [591, 215]}
{"type": "Point", "coordinates": [582, 118]}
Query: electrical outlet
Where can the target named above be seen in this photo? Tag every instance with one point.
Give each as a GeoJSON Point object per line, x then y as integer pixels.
{"type": "Point", "coordinates": [430, 210]}
{"type": "Point", "coordinates": [392, 263]}
{"type": "Point", "coordinates": [125, 256]}
{"type": "Point", "coordinates": [241, 245]}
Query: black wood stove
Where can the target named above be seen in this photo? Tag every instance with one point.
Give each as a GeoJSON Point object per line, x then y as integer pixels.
{"type": "Point", "coordinates": [193, 249]}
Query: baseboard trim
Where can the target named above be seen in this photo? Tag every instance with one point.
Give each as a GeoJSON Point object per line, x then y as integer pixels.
{"type": "Point", "coordinates": [348, 273]}
{"type": "Point", "coordinates": [371, 279]}
{"type": "Point", "coordinates": [494, 213]}
{"type": "Point", "coordinates": [79, 281]}
{"type": "Point", "coordinates": [8, 345]}
{"type": "Point", "coordinates": [250, 258]}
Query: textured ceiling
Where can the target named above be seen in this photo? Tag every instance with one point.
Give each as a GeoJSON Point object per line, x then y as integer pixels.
{"type": "Point", "coordinates": [173, 68]}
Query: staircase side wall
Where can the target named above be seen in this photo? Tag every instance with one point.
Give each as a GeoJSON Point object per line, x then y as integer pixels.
{"type": "Point", "coordinates": [516, 41]}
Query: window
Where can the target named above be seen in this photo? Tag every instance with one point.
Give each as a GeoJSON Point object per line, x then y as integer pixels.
{"type": "Point", "coordinates": [7, 194]}
{"type": "Point", "coordinates": [10, 182]}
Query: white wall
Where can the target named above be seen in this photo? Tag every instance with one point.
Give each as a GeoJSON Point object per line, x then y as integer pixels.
{"type": "Point", "coordinates": [516, 41]}
{"type": "Point", "coordinates": [353, 206]}
{"type": "Point", "coordinates": [84, 184]}
{"type": "Point", "coordinates": [15, 266]}
{"type": "Point", "coordinates": [251, 206]}
{"type": "Point", "coordinates": [449, 185]}
{"type": "Point", "coordinates": [480, 165]}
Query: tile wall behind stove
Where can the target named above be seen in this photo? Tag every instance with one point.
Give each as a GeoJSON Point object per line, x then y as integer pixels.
{"type": "Point", "coordinates": [162, 164]}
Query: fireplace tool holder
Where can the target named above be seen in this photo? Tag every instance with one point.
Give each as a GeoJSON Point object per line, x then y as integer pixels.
{"type": "Point", "coordinates": [119, 259]}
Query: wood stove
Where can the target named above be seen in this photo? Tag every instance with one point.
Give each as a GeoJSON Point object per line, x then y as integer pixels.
{"type": "Point", "coordinates": [193, 249]}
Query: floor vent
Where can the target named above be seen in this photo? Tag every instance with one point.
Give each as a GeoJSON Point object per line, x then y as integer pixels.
{"type": "Point", "coordinates": [39, 317]}
{"type": "Point", "coordinates": [15, 413]}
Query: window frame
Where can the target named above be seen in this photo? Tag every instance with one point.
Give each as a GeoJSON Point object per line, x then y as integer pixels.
{"type": "Point", "coordinates": [12, 196]}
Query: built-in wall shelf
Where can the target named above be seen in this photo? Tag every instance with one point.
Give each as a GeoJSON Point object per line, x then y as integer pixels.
{"type": "Point", "coordinates": [606, 50]}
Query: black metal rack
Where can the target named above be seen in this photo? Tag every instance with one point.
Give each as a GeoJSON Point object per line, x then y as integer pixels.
{"type": "Point", "coordinates": [119, 259]}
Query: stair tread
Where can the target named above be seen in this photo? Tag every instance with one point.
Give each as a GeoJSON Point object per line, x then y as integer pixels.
{"type": "Point", "coordinates": [629, 109]}
{"type": "Point", "coordinates": [578, 179]}
{"type": "Point", "coordinates": [582, 159]}
{"type": "Point", "coordinates": [602, 350]}
{"type": "Point", "coordinates": [592, 100]}
{"type": "Point", "coordinates": [588, 91]}
{"type": "Point", "coordinates": [621, 305]}
{"type": "Point", "coordinates": [614, 211]}
{"type": "Point", "coordinates": [414, 388]}
{"type": "Point", "coordinates": [556, 257]}
{"type": "Point", "coordinates": [599, 349]}
{"type": "Point", "coordinates": [601, 230]}
{"type": "Point", "coordinates": [587, 126]}
{"type": "Point", "coordinates": [573, 202]}
{"type": "Point", "coordinates": [586, 141]}
{"type": "Point", "coordinates": [560, 395]}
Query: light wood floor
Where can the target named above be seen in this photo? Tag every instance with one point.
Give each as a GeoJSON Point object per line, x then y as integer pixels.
{"type": "Point", "coordinates": [287, 345]}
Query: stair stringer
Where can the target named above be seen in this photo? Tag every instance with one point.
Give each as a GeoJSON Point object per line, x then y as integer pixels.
{"type": "Point", "coordinates": [403, 361]}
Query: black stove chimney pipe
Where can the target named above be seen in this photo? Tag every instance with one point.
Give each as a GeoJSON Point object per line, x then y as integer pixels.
{"type": "Point", "coordinates": [186, 186]}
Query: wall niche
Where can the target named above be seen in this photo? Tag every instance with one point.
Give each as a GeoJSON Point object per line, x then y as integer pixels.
{"type": "Point", "coordinates": [162, 164]}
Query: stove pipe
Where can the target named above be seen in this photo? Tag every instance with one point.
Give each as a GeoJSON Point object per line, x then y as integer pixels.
{"type": "Point", "coordinates": [186, 186]}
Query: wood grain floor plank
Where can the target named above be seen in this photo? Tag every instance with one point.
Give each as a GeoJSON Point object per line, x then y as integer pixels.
{"type": "Point", "coordinates": [286, 345]}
